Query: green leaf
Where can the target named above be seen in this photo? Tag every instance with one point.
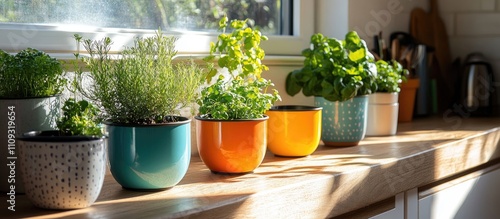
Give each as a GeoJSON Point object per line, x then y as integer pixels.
{"type": "Point", "coordinates": [224, 61]}
{"type": "Point", "coordinates": [338, 85]}
{"type": "Point", "coordinates": [238, 24]}
{"type": "Point", "coordinates": [292, 85]}
{"type": "Point", "coordinates": [307, 52]}
{"type": "Point", "coordinates": [209, 58]}
{"type": "Point", "coordinates": [310, 87]}
{"type": "Point", "coordinates": [327, 88]}
{"type": "Point", "coordinates": [223, 22]}
{"type": "Point", "coordinates": [353, 37]}
{"type": "Point", "coordinates": [348, 93]}
{"type": "Point", "coordinates": [357, 55]}
{"type": "Point", "coordinates": [335, 45]}
{"type": "Point", "coordinates": [211, 74]}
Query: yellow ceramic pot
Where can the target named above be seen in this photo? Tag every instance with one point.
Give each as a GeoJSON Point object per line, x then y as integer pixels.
{"type": "Point", "coordinates": [293, 131]}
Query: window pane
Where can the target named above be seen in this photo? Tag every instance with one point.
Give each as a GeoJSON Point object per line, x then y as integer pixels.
{"type": "Point", "coordinates": [175, 15]}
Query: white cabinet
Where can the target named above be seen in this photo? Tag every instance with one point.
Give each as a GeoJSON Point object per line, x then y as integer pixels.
{"type": "Point", "coordinates": [397, 212]}
{"type": "Point", "coordinates": [476, 195]}
{"type": "Point", "coordinates": [472, 195]}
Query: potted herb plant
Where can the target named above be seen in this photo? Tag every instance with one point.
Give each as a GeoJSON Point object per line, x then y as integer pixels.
{"type": "Point", "coordinates": [383, 104]}
{"type": "Point", "coordinates": [65, 168]}
{"type": "Point", "coordinates": [30, 85]}
{"type": "Point", "coordinates": [232, 107]}
{"type": "Point", "coordinates": [339, 74]}
{"type": "Point", "coordinates": [141, 94]}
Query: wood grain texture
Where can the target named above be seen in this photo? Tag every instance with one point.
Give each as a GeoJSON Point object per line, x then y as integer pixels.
{"type": "Point", "coordinates": [330, 182]}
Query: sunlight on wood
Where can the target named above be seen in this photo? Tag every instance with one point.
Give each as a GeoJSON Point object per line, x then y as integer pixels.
{"type": "Point", "coordinates": [330, 182]}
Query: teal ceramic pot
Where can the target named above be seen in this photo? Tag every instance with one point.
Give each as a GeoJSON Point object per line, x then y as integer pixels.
{"type": "Point", "coordinates": [149, 157]}
{"type": "Point", "coordinates": [343, 123]}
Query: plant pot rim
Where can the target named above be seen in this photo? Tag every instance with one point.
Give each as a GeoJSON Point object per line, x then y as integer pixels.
{"type": "Point", "coordinates": [410, 83]}
{"type": "Point", "coordinates": [379, 92]}
{"type": "Point", "coordinates": [182, 120]}
{"type": "Point", "coordinates": [26, 98]}
{"type": "Point", "coordinates": [295, 108]}
{"type": "Point", "coordinates": [54, 136]}
{"type": "Point", "coordinates": [198, 117]}
{"type": "Point", "coordinates": [357, 96]}
{"type": "Point", "coordinates": [351, 98]}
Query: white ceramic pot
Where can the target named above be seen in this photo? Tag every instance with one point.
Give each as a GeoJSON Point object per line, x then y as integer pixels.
{"type": "Point", "coordinates": [27, 114]}
{"type": "Point", "coordinates": [62, 172]}
{"type": "Point", "coordinates": [382, 114]}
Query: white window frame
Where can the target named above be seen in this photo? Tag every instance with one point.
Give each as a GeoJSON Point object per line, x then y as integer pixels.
{"type": "Point", "coordinates": [58, 40]}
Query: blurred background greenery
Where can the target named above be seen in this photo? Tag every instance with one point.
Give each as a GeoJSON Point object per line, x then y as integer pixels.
{"type": "Point", "coordinates": [174, 15]}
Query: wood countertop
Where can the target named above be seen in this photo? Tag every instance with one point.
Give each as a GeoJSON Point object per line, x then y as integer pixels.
{"type": "Point", "coordinates": [330, 182]}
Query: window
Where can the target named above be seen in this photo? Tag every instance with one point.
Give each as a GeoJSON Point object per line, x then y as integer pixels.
{"type": "Point", "coordinates": [198, 15]}
{"type": "Point", "coordinates": [50, 24]}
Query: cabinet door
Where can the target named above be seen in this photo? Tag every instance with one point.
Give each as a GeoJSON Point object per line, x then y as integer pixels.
{"type": "Point", "coordinates": [476, 195]}
{"type": "Point", "coordinates": [397, 212]}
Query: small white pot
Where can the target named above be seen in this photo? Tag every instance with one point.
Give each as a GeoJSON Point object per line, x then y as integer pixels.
{"type": "Point", "coordinates": [62, 172]}
{"type": "Point", "coordinates": [382, 114]}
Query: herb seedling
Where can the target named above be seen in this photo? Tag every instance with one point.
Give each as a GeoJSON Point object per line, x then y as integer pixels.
{"type": "Point", "coordinates": [242, 93]}
{"type": "Point", "coordinates": [389, 76]}
{"type": "Point", "coordinates": [30, 73]}
{"type": "Point", "coordinates": [79, 118]}
{"type": "Point", "coordinates": [337, 70]}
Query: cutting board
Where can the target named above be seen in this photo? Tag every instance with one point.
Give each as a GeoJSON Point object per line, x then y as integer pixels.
{"type": "Point", "coordinates": [445, 78]}
{"type": "Point", "coordinates": [421, 27]}
{"type": "Point", "coordinates": [441, 44]}
{"type": "Point", "coordinates": [428, 28]}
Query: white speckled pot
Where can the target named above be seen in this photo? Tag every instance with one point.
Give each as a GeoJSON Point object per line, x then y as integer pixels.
{"type": "Point", "coordinates": [62, 172]}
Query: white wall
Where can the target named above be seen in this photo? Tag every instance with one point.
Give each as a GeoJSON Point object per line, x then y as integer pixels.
{"type": "Point", "coordinates": [472, 26]}
{"type": "Point", "coordinates": [277, 74]}
{"type": "Point", "coordinates": [368, 17]}
{"type": "Point", "coordinates": [331, 18]}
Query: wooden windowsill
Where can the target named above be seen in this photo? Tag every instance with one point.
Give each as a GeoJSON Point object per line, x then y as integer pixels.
{"type": "Point", "coordinates": [330, 182]}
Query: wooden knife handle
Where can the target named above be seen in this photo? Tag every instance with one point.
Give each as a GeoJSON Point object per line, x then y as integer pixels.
{"type": "Point", "coordinates": [434, 7]}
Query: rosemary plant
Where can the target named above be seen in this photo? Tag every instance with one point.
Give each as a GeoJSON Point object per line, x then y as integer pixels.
{"type": "Point", "coordinates": [142, 85]}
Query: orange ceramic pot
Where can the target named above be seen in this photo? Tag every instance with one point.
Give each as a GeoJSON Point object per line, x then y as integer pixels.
{"type": "Point", "coordinates": [407, 99]}
{"type": "Point", "coordinates": [231, 146]}
{"type": "Point", "coordinates": [293, 131]}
